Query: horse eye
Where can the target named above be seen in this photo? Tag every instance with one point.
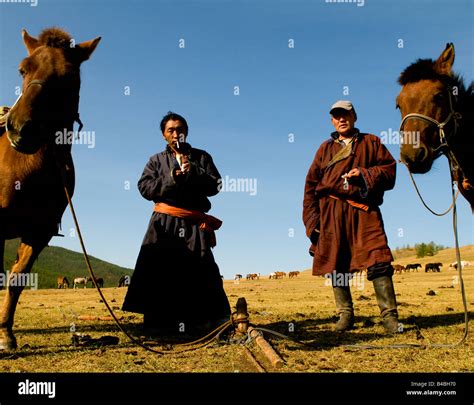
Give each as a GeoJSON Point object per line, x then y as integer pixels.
{"type": "Point", "coordinates": [22, 72]}
{"type": "Point", "coordinates": [438, 96]}
{"type": "Point", "coordinates": [397, 107]}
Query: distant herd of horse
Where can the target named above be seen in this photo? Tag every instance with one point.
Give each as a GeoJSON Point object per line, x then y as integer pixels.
{"type": "Point", "coordinates": [63, 282]}
{"type": "Point", "coordinates": [398, 268]}
{"type": "Point", "coordinates": [433, 267]}
{"type": "Point", "coordinates": [272, 276]}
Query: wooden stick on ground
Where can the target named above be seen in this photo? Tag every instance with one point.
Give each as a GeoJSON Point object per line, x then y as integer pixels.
{"type": "Point", "coordinates": [266, 348]}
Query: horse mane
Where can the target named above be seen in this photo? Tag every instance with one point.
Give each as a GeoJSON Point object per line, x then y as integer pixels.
{"type": "Point", "coordinates": [55, 38]}
{"type": "Point", "coordinates": [424, 69]}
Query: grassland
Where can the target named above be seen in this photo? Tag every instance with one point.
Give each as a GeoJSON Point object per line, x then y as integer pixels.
{"type": "Point", "coordinates": [302, 307]}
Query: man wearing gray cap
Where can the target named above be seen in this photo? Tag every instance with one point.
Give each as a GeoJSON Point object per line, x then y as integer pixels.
{"type": "Point", "coordinates": [344, 188]}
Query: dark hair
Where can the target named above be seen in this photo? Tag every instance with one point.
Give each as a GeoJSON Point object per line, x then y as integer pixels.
{"type": "Point", "coordinates": [170, 115]}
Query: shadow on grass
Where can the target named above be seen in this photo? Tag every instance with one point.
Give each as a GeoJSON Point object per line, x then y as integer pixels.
{"type": "Point", "coordinates": [317, 334]}
{"type": "Point", "coordinates": [164, 340]}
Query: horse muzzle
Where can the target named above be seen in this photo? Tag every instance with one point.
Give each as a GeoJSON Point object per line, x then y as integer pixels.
{"type": "Point", "coordinates": [29, 138]}
{"type": "Point", "coordinates": [418, 160]}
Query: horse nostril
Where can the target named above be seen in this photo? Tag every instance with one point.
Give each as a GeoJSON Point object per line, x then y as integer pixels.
{"type": "Point", "coordinates": [421, 154]}
{"type": "Point", "coordinates": [9, 124]}
{"type": "Point", "coordinates": [27, 129]}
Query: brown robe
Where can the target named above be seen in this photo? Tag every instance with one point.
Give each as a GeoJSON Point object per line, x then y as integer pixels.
{"type": "Point", "coordinates": [350, 238]}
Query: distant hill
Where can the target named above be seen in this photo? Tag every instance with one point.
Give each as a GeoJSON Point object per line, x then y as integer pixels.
{"type": "Point", "coordinates": [54, 261]}
{"type": "Point", "coordinates": [401, 253]}
{"type": "Point", "coordinates": [445, 256]}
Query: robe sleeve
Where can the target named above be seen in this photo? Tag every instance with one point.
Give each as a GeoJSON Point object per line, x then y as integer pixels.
{"type": "Point", "coordinates": [311, 210]}
{"type": "Point", "coordinates": [381, 176]}
{"type": "Point", "coordinates": [152, 185]}
{"type": "Point", "coordinates": [204, 176]}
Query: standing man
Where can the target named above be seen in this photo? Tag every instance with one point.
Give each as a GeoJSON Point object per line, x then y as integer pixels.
{"type": "Point", "coordinates": [343, 191]}
{"type": "Point", "coordinates": [176, 283]}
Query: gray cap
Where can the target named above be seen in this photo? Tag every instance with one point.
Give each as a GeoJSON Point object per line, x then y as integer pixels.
{"type": "Point", "coordinates": [344, 104]}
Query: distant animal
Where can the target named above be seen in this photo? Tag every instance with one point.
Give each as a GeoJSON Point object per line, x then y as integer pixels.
{"type": "Point", "coordinates": [125, 281]}
{"type": "Point", "coordinates": [63, 282]}
{"type": "Point", "coordinates": [80, 281]}
{"type": "Point", "coordinates": [280, 274]}
{"type": "Point", "coordinates": [272, 275]}
{"type": "Point", "coordinates": [413, 266]}
{"type": "Point", "coordinates": [398, 268]}
{"type": "Point", "coordinates": [99, 281]}
{"type": "Point", "coordinates": [238, 277]}
{"type": "Point", "coordinates": [434, 267]}
{"type": "Point", "coordinates": [253, 276]}
{"type": "Point", "coordinates": [292, 274]}
{"type": "Point", "coordinates": [454, 265]}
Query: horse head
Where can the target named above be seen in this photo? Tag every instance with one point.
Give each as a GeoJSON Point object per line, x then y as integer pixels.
{"type": "Point", "coordinates": [426, 103]}
{"type": "Point", "coordinates": [49, 100]}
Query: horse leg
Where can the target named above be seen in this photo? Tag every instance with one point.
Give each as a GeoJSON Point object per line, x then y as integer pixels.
{"type": "Point", "coordinates": [27, 254]}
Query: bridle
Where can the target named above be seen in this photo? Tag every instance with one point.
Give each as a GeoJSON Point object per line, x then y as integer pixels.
{"type": "Point", "coordinates": [443, 139]}
{"type": "Point", "coordinates": [40, 83]}
{"type": "Point", "coordinates": [443, 147]}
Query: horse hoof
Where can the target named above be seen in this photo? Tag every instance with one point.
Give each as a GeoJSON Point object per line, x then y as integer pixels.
{"type": "Point", "coordinates": [7, 340]}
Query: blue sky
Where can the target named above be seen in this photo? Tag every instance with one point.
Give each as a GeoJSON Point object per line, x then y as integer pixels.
{"type": "Point", "coordinates": [282, 90]}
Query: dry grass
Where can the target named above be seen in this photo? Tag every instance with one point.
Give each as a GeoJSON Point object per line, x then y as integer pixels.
{"type": "Point", "coordinates": [44, 319]}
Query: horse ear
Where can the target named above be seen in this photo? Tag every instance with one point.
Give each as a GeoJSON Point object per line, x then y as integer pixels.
{"type": "Point", "coordinates": [85, 49]}
{"type": "Point", "coordinates": [31, 43]}
{"type": "Point", "coordinates": [445, 61]}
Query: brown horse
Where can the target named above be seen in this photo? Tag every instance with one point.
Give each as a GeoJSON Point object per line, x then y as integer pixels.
{"type": "Point", "coordinates": [32, 197]}
{"type": "Point", "coordinates": [437, 118]}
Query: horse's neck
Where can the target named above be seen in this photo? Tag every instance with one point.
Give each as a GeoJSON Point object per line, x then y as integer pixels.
{"type": "Point", "coordinates": [461, 147]}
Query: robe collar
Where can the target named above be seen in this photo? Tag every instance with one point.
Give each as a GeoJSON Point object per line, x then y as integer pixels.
{"type": "Point", "coordinates": [335, 134]}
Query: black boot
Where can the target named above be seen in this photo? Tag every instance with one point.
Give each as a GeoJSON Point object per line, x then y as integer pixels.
{"type": "Point", "coordinates": [345, 310]}
{"type": "Point", "coordinates": [385, 294]}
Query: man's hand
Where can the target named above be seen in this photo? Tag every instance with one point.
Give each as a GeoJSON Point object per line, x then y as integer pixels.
{"type": "Point", "coordinates": [183, 163]}
{"type": "Point", "coordinates": [353, 173]}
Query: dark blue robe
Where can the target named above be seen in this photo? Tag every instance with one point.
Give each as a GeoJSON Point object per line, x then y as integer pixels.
{"type": "Point", "coordinates": [176, 278]}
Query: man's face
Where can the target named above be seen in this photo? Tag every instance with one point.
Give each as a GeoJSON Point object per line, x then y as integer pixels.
{"type": "Point", "coordinates": [343, 121]}
{"type": "Point", "coordinates": [175, 132]}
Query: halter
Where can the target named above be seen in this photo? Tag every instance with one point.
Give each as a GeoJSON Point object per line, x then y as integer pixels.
{"type": "Point", "coordinates": [443, 140]}
{"type": "Point", "coordinates": [443, 147]}
{"type": "Point", "coordinates": [38, 83]}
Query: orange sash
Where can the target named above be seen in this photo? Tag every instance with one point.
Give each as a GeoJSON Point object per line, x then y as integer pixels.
{"type": "Point", "coordinates": [207, 223]}
{"type": "Point", "coordinates": [355, 204]}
